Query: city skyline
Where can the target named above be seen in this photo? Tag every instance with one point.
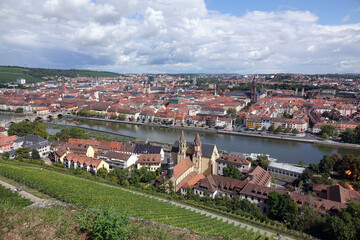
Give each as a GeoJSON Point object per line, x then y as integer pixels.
{"type": "Point", "coordinates": [183, 36]}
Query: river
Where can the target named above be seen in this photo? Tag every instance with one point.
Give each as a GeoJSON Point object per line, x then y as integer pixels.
{"type": "Point", "coordinates": [284, 151]}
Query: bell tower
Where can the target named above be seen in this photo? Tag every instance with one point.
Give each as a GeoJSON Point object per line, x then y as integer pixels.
{"type": "Point", "coordinates": [182, 148]}
{"type": "Point", "coordinates": [197, 153]}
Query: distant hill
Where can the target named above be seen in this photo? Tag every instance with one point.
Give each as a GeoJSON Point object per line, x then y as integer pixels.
{"type": "Point", "coordinates": [11, 73]}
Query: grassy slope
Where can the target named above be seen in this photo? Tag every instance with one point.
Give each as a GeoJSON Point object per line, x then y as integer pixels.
{"type": "Point", "coordinates": [10, 74]}
{"type": "Point", "coordinates": [139, 206]}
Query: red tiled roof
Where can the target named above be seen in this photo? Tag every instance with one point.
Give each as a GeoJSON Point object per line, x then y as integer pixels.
{"type": "Point", "coordinates": [182, 167]}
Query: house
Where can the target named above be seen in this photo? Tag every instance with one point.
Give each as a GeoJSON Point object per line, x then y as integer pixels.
{"type": "Point", "coordinates": [3, 131]}
{"type": "Point", "coordinates": [86, 163]}
{"type": "Point", "coordinates": [7, 142]}
{"type": "Point", "coordinates": [258, 176]}
{"type": "Point", "coordinates": [148, 149]}
{"type": "Point", "coordinates": [225, 160]}
{"type": "Point", "coordinates": [151, 161]}
{"type": "Point", "coordinates": [59, 155]}
{"type": "Point", "coordinates": [33, 142]}
{"type": "Point", "coordinates": [117, 159]}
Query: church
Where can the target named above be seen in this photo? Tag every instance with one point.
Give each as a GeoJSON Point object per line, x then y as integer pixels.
{"type": "Point", "coordinates": [202, 155]}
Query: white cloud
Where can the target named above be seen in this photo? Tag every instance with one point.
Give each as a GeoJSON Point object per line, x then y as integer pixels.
{"type": "Point", "coordinates": [172, 36]}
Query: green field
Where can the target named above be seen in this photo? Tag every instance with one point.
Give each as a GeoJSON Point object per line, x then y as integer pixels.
{"type": "Point", "coordinates": [8, 197]}
{"type": "Point", "coordinates": [82, 192]}
{"type": "Point", "coordinates": [11, 74]}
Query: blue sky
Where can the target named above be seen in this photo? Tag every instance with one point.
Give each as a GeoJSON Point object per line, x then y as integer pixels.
{"type": "Point", "coordinates": [330, 12]}
{"type": "Point", "coordinates": [189, 36]}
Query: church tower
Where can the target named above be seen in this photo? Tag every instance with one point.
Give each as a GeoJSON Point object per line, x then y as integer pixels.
{"type": "Point", "coordinates": [182, 148]}
{"type": "Point", "coordinates": [197, 154]}
{"type": "Point", "coordinates": [253, 91]}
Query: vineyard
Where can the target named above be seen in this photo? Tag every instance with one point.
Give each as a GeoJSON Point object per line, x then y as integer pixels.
{"type": "Point", "coordinates": [82, 192]}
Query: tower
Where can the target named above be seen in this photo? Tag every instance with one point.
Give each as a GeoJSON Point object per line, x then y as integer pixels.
{"type": "Point", "coordinates": [197, 154]}
{"type": "Point", "coordinates": [63, 86]}
{"type": "Point", "coordinates": [253, 91]}
{"type": "Point", "coordinates": [182, 148]}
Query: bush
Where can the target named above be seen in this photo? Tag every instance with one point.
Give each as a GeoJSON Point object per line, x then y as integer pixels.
{"type": "Point", "coordinates": [105, 224]}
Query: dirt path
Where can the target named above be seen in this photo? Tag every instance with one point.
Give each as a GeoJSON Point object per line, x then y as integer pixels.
{"type": "Point", "coordinates": [37, 202]}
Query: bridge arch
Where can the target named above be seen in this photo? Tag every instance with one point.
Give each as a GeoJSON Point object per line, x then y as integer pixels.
{"type": "Point", "coordinates": [40, 119]}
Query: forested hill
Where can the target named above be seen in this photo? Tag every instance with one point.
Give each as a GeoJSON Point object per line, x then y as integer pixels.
{"type": "Point", "coordinates": [11, 73]}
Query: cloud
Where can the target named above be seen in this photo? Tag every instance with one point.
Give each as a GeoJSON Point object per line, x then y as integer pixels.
{"type": "Point", "coordinates": [172, 36]}
{"type": "Point", "coordinates": [346, 18]}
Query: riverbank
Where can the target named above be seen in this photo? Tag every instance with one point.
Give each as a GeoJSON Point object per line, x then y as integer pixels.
{"type": "Point", "coordinates": [263, 135]}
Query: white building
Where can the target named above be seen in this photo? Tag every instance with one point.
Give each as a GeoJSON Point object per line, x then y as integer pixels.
{"type": "Point", "coordinates": [286, 170]}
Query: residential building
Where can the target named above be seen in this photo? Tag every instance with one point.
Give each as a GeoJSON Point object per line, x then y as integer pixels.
{"type": "Point", "coordinates": [224, 161]}
{"type": "Point", "coordinates": [151, 161]}
{"type": "Point", "coordinates": [285, 170]}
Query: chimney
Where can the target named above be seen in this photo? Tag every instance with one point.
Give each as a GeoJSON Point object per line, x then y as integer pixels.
{"type": "Point", "coordinates": [251, 176]}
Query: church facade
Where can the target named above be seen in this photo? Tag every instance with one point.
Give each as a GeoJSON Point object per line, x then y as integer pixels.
{"type": "Point", "coordinates": [202, 155]}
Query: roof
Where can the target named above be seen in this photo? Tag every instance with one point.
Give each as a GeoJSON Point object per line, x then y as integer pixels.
{"type": "Point", "coordinates": [216, 182]}
{"type": "Point", "coordinates": [149, 158]}
{"type": "Point", "coordinates": [259, 176]}
{"type": "Point", "coordinates": [143, 148]}
{"type": "Point", "coordinates": [340, 194]}
{"type": "Point", "coordinates": [233, 160]}
{"type": "Point", "coordinates": [186, 179]}
{"type": "Point", "coordinates": [182, 167]}
{"type": "Point", "coordinates": [259, 191]}
{"type": "Point", "coordinates": [116, 155]}
{"type": "Point", "coordinates": [83, 160]}
{"type": "Point", "coordinates": [286, 167]}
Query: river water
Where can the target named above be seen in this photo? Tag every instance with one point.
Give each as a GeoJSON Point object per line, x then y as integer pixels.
{"type": "Point", "coordinates": [284, 151]}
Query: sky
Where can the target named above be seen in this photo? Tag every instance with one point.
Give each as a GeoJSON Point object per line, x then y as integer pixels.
{"type": "Point", "coordinates": [183, 36]}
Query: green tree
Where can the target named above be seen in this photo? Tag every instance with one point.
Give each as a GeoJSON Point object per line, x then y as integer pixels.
{"type": "Point", "coordinates": [287, 130]}
{"type": "Point", "coordinates": [302, 162]}
{"type": "Point", "coordinates": [349, 136]}
{"type": "Point", "coordinates": [325, 136]}
{"type": "Point", "coordinates": [295, 131]}
{"type": "Point", "coordinates": [5, 156]}
{"type": "Point", "coordinates": [278, 129]}
{"type": "Point", "coordinates": [19, 110]}
{"type": "Point", "coordinates": [113, 116]}
{"type": "Point", "coordinates": [326, 164]}
{"type": "Point", "coordinates": [148, 177]}
{"type": "Point", "coordinates": [263, 161]}
{"type": "Point", "coordinates": [271, 128]}
{"type": "Point", "coordinates": [101, 172]}
{"type": "Point", "coordinates": [326, 114]}
{"type": "Point", "coordinates": [263, 128]}
{"type": "Point", "coordinates": [238, 121]}
{"type": "Point", "coordinates": [122, 117]}
{"type": "Point", "coordinates": [40, 130]}
{"type": "Point", "coordinates": [22, 153]}
{"type": "Point", "coordinates": [35, 154]}
{"type": "Point", "coordinates": [232, 171]}
{"type": "Point", "coordinates": [231, 112]}
{"type": "Point", "coordinates": [282, 208]}
{"type": "Point", "coordinates": [328, 129]}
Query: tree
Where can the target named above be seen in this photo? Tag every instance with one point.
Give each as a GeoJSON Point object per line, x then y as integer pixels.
{"type": "Point", "coordinates": [282, 208]}
{"type": "Point", "coordinates": [35, 154]}
{"type": "Point", "coordinates": [122, 117]}
{"type": "Point", "coordinates": [271, 128]}
{"type": "Point", "coordinates": [232, 171]}
{"type": "Point", "coordinates": [326, 114]}
{"type": "Point", "coordinates": [22, 153]}
{"type": "Point", "coordinates": [148, 177]}
{"type": "Point", "coordinates": [263, 128]}
{"type": "Point", "coordinates": [102, 172]}
{"type": "Point", "coordinates": [328, 129]}
{"type": "Point", "coordinates": [278, 129]}
{"type": "Point", "coordinates": [326, 164]}
{"type": "Point", "coordinates": [349, 136]}
{"type": "Point", "coordinates": [231, 112]}
{"type": "Point", "coordinates": [19, 110]}
{"type": "Point", "coordinates": [5, 156]}
{"type": "Point", "coordinates": [295, 131]}
{"type": "Point", "coordinates": [302, 162]}
{"type": "Point", "coordinates": [238, 121]}
{"type": "Point", "coordinates": [263, 161]}
{"type": "Point", "coordinates": [325, 136]}
{"type": "Point", "coordinates": [40, 130]}
{"type": "Point", "coordinates": [113, 116]}
{"type": "Point", "coordinates": [287, 130]}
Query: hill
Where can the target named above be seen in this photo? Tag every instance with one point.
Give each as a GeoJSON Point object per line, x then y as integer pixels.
{"type": "Point", "coordinates": [11, 73]}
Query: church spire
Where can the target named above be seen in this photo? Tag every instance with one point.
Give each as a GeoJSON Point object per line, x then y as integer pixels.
{"type": "Point", "coordinates": [197, 140]}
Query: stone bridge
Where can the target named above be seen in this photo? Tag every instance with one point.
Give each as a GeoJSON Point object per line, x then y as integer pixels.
{"type": "Point", "coordinates": [33, 117]}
